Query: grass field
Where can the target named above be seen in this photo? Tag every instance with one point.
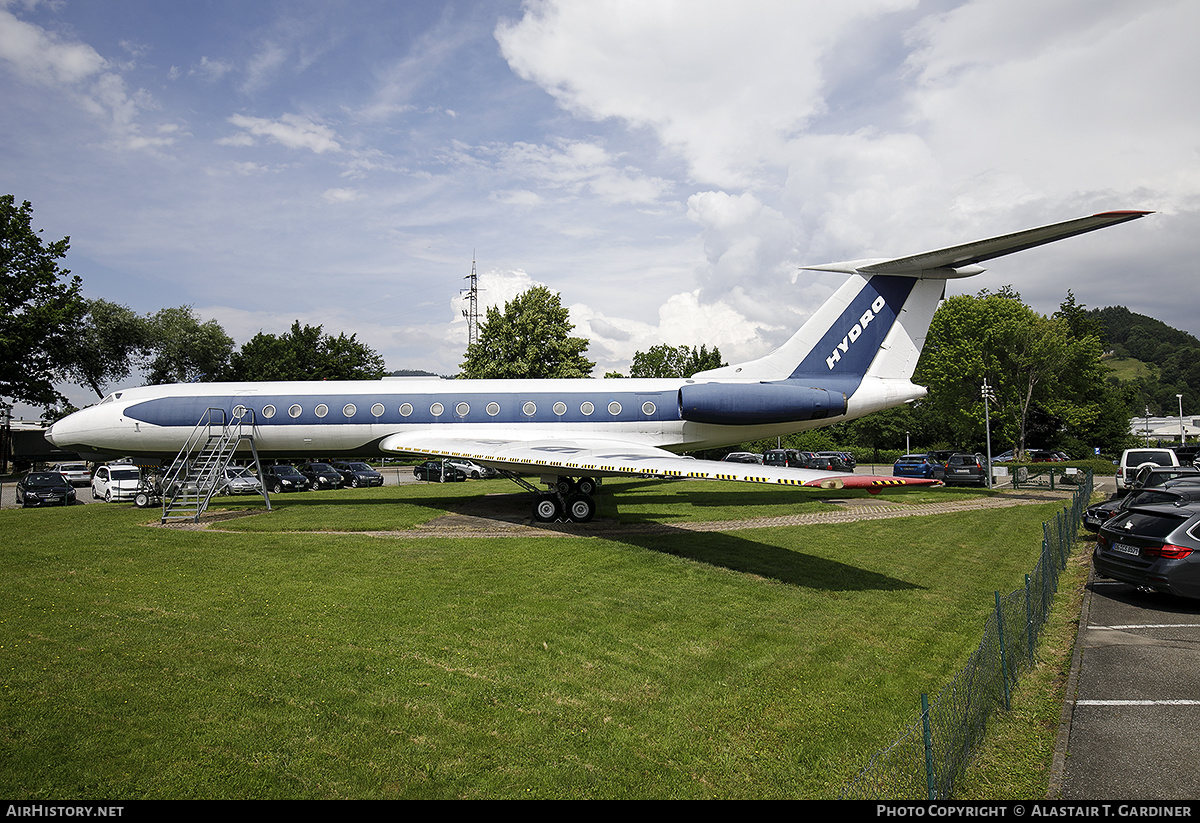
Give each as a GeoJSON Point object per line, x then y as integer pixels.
{"type": "Point", "coordinates": [277, 661]}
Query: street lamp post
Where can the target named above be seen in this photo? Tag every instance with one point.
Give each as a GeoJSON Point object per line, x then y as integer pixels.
{"type": "Point", "coordinates": [987, 427]}
{"type": "Point", "coordinates": [1179, 397]}
{"type": "Point", "coordinates": [5, 436]}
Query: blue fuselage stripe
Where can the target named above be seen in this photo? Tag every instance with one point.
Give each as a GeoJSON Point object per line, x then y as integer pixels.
{"type": "Point", "coordinates": [421, 408]}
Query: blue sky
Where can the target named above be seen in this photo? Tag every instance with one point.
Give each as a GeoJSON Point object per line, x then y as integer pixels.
{"type": "Point", "coordinates": [664, 166]}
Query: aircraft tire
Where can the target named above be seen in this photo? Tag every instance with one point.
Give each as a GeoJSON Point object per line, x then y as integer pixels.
{"type": "Point", "coordinates": [586, 485]}
{"type": "Point", "coordinates": [142, 500]}
{"type": "Point", "coordinates": [547, 509]}
{"type": "Point", "coordinates": [581, 508]}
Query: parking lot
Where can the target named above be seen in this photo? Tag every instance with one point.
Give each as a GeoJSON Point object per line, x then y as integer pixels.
{"type": "Point", "coordinates": [392, 476]}
{"type": "Point", "coordinates": [1136, 687]}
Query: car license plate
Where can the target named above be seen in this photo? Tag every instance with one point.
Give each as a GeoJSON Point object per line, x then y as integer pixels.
{"type": "Point", "coordinates": [1121, 548]}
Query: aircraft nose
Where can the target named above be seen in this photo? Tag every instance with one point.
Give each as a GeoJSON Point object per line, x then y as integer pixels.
{"type": "Point", "coordinates": [70, 430]}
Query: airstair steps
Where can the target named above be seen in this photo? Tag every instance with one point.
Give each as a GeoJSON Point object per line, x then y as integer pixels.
{"type": "Point", "coordinates": [199, 469]}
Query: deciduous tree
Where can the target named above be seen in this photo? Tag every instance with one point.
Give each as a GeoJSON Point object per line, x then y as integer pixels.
{"type": "Point", "coordinates": [674, 361]}
{"type": "Point", "coordinates": [111, 342]}
{"type": "Point", "coordinates": [531, 337]}
{"type": "Point", "coordinates": [40, 309]}
{"type": "Point", "coordinates": [305, 353]}
{"type": "Point", "coordinates": [184, 349]}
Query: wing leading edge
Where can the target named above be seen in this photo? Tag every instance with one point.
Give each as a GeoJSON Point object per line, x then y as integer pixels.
{"type": "Point", "coordinates": [612, 458]}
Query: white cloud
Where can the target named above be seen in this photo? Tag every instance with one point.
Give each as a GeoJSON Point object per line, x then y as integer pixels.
{"type": "Point", "coordinates": [291, 131]}
{"type": "Point", "coordinates": [41, 57]}
{"type": "Point", "coordinates": [723, 83]}
{"type": "Point", "coordinates": [77, 70]}
{"type": "Point", "coordinates": [574, 168]}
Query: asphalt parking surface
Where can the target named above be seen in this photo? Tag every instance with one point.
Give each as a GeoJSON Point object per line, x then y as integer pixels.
{"type": "Point", "coordinates": [1133, 700]}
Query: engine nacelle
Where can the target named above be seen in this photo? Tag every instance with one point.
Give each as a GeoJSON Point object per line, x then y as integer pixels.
{"type": "Point", "coordinates": [746, 404]}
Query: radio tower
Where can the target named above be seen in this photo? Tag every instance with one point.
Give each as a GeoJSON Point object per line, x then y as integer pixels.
{"type": "Point", "coordinates": [472, 310]}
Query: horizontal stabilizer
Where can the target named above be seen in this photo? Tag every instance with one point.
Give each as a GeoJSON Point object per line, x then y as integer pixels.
{"type": "Point", "coordinates": [962, 260]}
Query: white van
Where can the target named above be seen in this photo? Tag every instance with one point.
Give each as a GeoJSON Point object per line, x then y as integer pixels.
{"type": "Point", "coordinates": [1133, 459]}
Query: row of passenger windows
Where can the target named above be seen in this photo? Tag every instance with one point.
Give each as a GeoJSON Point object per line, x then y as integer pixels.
{"type": "Point", "coordinates": [529, 409]}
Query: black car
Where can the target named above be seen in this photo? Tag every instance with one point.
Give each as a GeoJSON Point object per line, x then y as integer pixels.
{"type": "Point", "coordinates": [1148, 477]}
{"type": "Point", "coordinates": [356, 474]}
{"type": "Point", "coordinates": [784, 457]}
{"type": "Point", "coordinates": [1152, 546]}
{"type": "Point", "coordinates": [965, 468]}
{"type": "Point", "coordinates": [321, 475]}
{"type": "Point", "coordinates": [838, 461]}
{"type": "Point", "coordinates": [1178, 492]}
{"type": "Point", "coordinates": [432, 470]}
{"type": "Point", "coordinates": [285, 478]}
{"type": "Point", "coordinates": [44, 489]}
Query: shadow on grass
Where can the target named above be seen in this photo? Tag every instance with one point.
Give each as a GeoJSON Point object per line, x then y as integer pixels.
{"type": "Point", "coordinates": [646, 530]}
{"type": "Point", "coordinates": [739, 554]}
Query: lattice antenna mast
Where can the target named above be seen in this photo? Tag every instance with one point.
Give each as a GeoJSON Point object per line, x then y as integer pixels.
{"type": "Point", "coordinates": [472, 311]}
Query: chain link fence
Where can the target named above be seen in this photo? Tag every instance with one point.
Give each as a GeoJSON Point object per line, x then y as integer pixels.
{"type": "Point", "coordinates": [933, 753]}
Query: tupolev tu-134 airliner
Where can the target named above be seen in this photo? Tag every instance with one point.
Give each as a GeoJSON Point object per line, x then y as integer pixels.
{"type": "Point", "coordinates": [855, 355]}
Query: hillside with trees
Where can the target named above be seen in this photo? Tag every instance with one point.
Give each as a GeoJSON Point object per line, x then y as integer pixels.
{"type": "Point", "coordinates": [1169, 360]}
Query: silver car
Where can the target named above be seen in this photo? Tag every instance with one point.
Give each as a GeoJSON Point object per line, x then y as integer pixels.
{"type": "Point", "coordinates": [239, 480]}
{"type": "Point", "coordinates": [77, 474]}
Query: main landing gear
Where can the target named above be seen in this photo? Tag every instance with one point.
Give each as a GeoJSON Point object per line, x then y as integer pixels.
{"type": "Point", "coordinates": [566, 499]}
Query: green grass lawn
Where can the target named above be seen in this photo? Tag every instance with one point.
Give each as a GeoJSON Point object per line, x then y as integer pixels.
{"type": "Point", "coordinates": [278, 662]}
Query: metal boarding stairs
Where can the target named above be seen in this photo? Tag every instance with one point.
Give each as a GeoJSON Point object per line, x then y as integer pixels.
{"type": "Point", "coordinates": [199, 470]}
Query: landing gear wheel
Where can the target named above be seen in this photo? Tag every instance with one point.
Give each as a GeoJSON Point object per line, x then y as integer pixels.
{"type": "Point", "coordinates": [547, 509]}
{"type": "Point", "coordinates": [564, 486]}
{"type": "Point", "coordinates": [581, 508]}
{"type": "Point", "coordinates": [587, 485]}
{"type": "Point", "coordinates": [142, 500]}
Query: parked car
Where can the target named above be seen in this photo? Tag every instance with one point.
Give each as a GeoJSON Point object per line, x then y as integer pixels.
{"type": "Point", "coordinates": [1147, 477]}
{"type": "Point", "coordinates": [77, 474]}
{"type": "Point", "coordinates": [919, 465]}
{"type": "Point", "coordinates": [117, 481]}
{"type": "Point", "coordinates": [812, 460]}
{"type": "Point", "coordinates": [742, 457]}
{"type": "Point", "coordinates": [967, 469]}
{"type": "Point", "coordinates": [1152, 546]}
{"type": "Point", "coordinates": [285, 478]}
{"type": "Point", "coordinates": [784, 457]}
{"type": "Point", "coordinates": [239, 480]}
{"type": "Point", "coordinates": [44, 489]}
{"type": "Point", "coordinates": [472, 469]}
{"type": "Point", "coordinates": [321, 475]}
{"type": "Point", "coordinates": [1132, 459]}
{"type": "Point", "coordinates": [1043, 456]}
{"type": "Point", "coordinates": [840, 461]}
{"type": "Point", "coordinates": [357, 474]}
{"type": "Point", "coordinates": [431, 470]}
{"type": "Point", "coordinates": [1173, 492]}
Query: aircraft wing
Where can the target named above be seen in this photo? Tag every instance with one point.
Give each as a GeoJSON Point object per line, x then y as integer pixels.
{"type": "Point", "coordinates": [969, 254]}
{"type": "Point", "coordinates": [610, 458]}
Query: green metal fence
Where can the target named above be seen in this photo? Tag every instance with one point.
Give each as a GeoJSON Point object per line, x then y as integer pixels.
{"type": "Point", "coordinates": [932, 754]}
